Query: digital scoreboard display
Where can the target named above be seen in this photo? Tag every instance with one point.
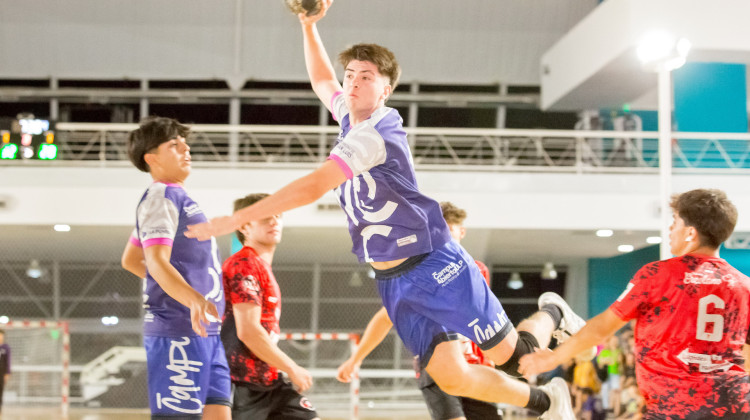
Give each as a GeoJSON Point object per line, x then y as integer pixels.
{"type": "Point", "coordinates": [27, 138]}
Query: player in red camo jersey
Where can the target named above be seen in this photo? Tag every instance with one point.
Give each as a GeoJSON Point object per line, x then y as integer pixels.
{"type": "Point", "coordinates": [251, 329]}
{"type": "Point", "coordinates": [693, 315]}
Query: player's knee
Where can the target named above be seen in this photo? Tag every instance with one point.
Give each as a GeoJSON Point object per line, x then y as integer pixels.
{"type": "Point", "coordinates": [526, 344]}
{"type": "Point", "coordinates": [453, 380]}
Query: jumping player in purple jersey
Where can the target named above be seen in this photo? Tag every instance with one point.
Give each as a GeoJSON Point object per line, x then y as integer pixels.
{"type": "Point", "coordinates": [430, 287]}
{"type": "Point", "coordinates": [188, 376]}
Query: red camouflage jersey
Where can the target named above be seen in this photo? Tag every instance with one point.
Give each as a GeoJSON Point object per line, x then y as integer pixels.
{"type": "Point", "coordinates": [693, 315]}
{"type": "Point", "coordinates": [248, 278]}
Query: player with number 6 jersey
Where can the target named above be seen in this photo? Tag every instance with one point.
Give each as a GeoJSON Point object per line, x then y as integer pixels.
{"type": "Point", "coordinates": [693, 317]}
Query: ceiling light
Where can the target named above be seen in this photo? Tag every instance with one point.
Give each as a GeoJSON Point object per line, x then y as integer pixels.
{"type": "Point", "coordinates": [515, 282]}
{"type": "Point", "coordinates": [62, 228]}
{"type": "Point", "coordinates": [34, 270]}
{"type": "Point", "coordinates": [604, 233]}
{"type": "Point", "coordinates": [625, 248]}
{"type": "Point", "coordinates": [653, 240]}
{"type": "Point", "coordinates": [549, 272]}
{"type": "Point", "coordinates": [110, 320]}
{"type": "Point", "coordinates": [659, 50]}
{"type": "Point", "coordinates": [4, 319]}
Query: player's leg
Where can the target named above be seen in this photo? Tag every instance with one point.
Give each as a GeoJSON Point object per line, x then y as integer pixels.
{"type": "Point", "coordinates": [249, 404]}
{"type": "Point", "coordinates": [218, 395]}
{"type": "Point", "coordinates": [170, 360]}
{"type": "Point", "coordinates": [480, 410]}
{"type": "Point", "coordinates": [291, 405]}
{"type": "Point", "coordinates": [441, 405]}
{"type": "Point", "coordinates": [455, 376]}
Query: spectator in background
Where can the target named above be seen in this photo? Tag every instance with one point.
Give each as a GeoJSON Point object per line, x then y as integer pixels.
{"type": "Point", "coordinates": [4, 365]}
{"type": "Point", "coordinates": [591, 408]}
{"type": "Point", "coordinates": [610, 358]}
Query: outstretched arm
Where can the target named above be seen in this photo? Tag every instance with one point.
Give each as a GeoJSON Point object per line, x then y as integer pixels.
{"type": "Point", "coordinates": [297, 193]}
{"type": "Point", "coordinates": [594, 332]}
{"type": "Point", "coordinates": [319, 67]}
{"type": "Point", "coordinates": [251, 332]}
{"type": "Point", "coordinates": [374, 334]}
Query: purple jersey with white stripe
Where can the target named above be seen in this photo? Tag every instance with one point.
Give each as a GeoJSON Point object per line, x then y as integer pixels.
{"type": "Point", "coordinates": [163, 215]}
{"type": "Point", "coordinates": [389, 218]}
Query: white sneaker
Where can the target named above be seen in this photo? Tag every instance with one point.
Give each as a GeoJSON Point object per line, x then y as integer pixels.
{"type": "Point", "coordinates": [570, 324]}
{"type": "Point", "coordinates": [560, 407]}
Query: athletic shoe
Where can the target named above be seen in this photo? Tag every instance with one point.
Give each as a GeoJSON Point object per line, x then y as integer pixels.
{"type": "Point", "coordinates": [560, 407]}
{"type": "Point", "coordinates": [570, 323]}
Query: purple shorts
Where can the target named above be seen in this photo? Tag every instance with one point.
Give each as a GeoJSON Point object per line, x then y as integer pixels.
{"type": "Point", "coordinates": [185, 374]}
{"type": "Point", "coordinates": [431, 298]}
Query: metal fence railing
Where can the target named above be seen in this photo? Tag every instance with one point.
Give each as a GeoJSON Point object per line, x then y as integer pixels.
{"type": "Point", "coordinates": [446, 148]}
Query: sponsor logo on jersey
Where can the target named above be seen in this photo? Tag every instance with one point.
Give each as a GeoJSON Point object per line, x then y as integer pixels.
{"type": "Point", "coordinates": [485, 334]}
{"type": "Point", "coordinates": [192, 210]}
{"type": "Point", "coordinates": [406, 240]}
{"type": "Point", "coordinates": [449, 273]}
{"type": "Point", "coordinates": [305, 403]}
{"type": "Point", "coordinates": [182, 391]}
{"type": "Point", "coordinates": [708, 277]}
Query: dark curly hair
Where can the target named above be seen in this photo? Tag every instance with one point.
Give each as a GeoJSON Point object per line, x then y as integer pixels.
{"type": "Point", "coordinates": [152, 132]}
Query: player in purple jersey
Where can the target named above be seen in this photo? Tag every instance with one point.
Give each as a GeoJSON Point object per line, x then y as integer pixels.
{"type": "Point", "coordinates": [430, 287]}
{"type": "Point", "coordinates": [188, 376]}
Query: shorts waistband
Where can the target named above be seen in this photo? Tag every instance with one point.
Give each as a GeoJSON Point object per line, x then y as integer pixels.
{"type": "Point", "coordinates": [402, 268]}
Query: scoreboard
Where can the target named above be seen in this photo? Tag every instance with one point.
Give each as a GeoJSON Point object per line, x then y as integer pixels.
{"type": "Point", "coordinates": [27, 138]}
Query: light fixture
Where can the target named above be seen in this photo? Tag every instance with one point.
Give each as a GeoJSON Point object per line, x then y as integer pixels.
{"type": "Point", "coordinates": [62, 228]}
{"type": "Point", "coordinates": [4, 319]}
{"type": "Point", "coordinates": [659, 50]}
{"type": "Point", "coordinates": [110, 320]}
{"type": "Point", "coordinates": [34, 270]}
{"type": "Point", "coordinates": [625, 248]}
{"type": "Point", "coordinates": [604, 233]}
{"type": "Point", "coordinates": [653, 240]}
{"type": "Point", "coordinates": [548, 271]}
{"type": "Point", "coordinates": [515, 282]}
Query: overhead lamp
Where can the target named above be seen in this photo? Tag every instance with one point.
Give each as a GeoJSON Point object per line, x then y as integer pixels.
{"type": "Point", "coordinates": [548, 271]}
{"type": "Point", "coordinates": [515, 282]}
{"type": "Point", "coordinates": [653, 240]}
{"type": "Point", "coordinates": [62, 228]}
{"type": "Point", "coordinates": [625, 248]}
{"type": "Point", "coordinates": [604, 233]}
{"type": "Point", "coordinates": [4, 319]}
{"type": "Point", "coordinates": [34, 270]}
{"type": "Point", "coordinates": [660, 50]}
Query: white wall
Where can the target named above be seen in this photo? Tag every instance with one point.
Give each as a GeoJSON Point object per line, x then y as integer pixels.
{"type": "Point", "coordinates": [107, 196]}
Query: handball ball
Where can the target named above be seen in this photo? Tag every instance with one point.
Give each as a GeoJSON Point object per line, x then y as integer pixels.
{"type": "Point", "coordinates": [308, 7]}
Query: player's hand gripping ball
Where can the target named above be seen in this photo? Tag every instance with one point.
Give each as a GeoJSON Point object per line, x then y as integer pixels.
{"type": "Point", "coordinates": [308, 7]}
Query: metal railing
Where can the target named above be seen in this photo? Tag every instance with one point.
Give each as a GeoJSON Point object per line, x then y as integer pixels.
{"type": "Point", "coordinates": [432, 148]}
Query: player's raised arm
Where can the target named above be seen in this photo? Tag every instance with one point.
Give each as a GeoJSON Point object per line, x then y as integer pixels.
{"type": "Point", "coordinates": [319, 66]}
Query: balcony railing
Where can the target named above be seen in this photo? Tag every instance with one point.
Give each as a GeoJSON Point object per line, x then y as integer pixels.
{"type": "Point", "coordinates": [432, 148]}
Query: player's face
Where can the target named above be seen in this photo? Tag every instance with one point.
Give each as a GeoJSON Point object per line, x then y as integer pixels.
{"type": "Point", "coordinates": [679, 235]}
{"type": "Point", "coordinates": [266, 231]}
{"type": "Point", "coordinates": [172, 159]}
{"type": "Point", "coordinates": [457, 231]}
{"type": "Point", "coordinates": [365, 88]}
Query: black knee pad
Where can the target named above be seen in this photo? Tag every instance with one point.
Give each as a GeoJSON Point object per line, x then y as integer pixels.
{"type": "Point", "coordinates": [526, 344]}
